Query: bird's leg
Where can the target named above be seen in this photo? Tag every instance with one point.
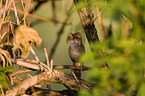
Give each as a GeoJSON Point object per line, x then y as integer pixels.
{"type": "Point", "coordinates": [77, 72]}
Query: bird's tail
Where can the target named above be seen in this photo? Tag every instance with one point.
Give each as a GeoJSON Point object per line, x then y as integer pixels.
{"type": "Point", "coordinates": [77, 72]}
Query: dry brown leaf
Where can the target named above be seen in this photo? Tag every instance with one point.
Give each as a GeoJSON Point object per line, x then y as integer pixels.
{"type": "Point", "coordinates": [23, 36]}
{"type": "Point", "coordinates": [5, 57]}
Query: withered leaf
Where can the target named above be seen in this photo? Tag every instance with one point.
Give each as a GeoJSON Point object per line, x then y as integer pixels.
{"type": "Point", "coordinates": [23, 36]}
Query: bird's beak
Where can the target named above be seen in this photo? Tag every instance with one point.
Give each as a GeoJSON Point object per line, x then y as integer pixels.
{"type": "Point", "coordinates": [72, 37]}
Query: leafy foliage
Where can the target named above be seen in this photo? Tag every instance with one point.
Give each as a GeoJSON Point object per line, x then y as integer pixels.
{"type": "Point", "coordinates": [4, 79]}
{"type": "Point", "coordinates": [122, 56]}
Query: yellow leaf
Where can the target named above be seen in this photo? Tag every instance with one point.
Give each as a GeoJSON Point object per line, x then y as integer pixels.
{"type": "Point", "coordinates": [23, 36]}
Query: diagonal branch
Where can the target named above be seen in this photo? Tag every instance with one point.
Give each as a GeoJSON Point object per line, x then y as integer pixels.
{"type": "Point", "coordinates": [100, 23]}
{"type": "Point", "coordinates": [59, 34]}
{"type": "Point", "coordinates": [34, 16]}
{"type": "Point", "coordinates": [87, 22]}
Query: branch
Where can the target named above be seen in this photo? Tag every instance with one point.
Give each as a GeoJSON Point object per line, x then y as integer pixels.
{"type": "Point", "coordinates": [71, 67]}
{"type": "Point", "coordinates": [49, 76]}
{"type": "Point", "coordinates": [87, 22]}
{"type": "Point", "coordinates": [56, 76]}
{"type": "Point", "coordinates": [20, 72]}
{"type": "Point", "coordinates": [59, 34]}
{"type": "Point", "coordinates": [34, 16]}
{"type": "Point", "coordinates": [100, 23]}
{"type": "Point", "coordinates": [27, 63]}
{"type": "Point", "coordinates": [54, 10]}
{"type": "Point", "coordinates": [47, 93]}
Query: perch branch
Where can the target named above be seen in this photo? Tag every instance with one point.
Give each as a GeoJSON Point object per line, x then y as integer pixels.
{"type": "Point", "coordinates": [54, 66]}
{"type": "Point", "coordinates": [56, 76]}
{"type": "Point", "coordinates": [71, 67]}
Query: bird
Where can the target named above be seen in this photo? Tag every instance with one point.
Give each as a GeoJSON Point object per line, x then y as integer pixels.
{"type": "Point", "coordinates": [76, 49]}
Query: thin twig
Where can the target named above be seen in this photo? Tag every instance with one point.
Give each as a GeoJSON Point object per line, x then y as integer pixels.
{"type": "Point", "coordinates": [59, 33]}
{"type": "Point", "coordinates": [9, 5]}
{"type": "Point", "coordinates": [51, 65]}
{"type": "Point", "coordinates": [2, 90]}
{"type": "Point", "coordinates": [100, 22]}
{"type": "Point", "coordinates": [3, 59]}
{"type": "Point", "coordinates": [53, 10]}
{"type": "Point", "coordinates": [18, 22]}
{"type": "Point", "coordinates": [22, 3]}
{"type": "Point", "coordinates": [36, 57]}
{"type": "Point", "coordinates": [46, 55]}
{"type": "Point", "coordinates": [76, 79]}
{"type": "Point", "coordinates": [34, 16]}
{"type": "Point", "coordinates": [27, 5]}
{"type": "Point", "coordinates": [70, 90]}
{"type": "Point", "coordinates": [20, 72]}
{"type": "Point", "coordinates": [6, 4]}
{"type": "Point", "coordinates": [29, 75]}
{"type": "Point", "coordinates": [33, 52]}
{"type": "Point", "coordinates": [1, 3]}
{"type": "Point", "coordinates": [98, 15]}
{"type": "Point", "coordinates": [11, 80]}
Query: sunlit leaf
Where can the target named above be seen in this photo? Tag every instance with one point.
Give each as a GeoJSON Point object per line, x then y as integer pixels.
{"type": "Point", "coordinates": [4, 84]}
{"type": "Point", "coordinates": [9, 69]}
{"type": "Point", "coordinates": [2, 76]}
{"type": "Point", "coordinates": [24, 35]}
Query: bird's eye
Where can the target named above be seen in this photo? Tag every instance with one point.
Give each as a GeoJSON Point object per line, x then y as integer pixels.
{"type": "Point", "coordinates": [76, 37]}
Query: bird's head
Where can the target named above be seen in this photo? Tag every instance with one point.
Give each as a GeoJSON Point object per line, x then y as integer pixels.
{"type": "Point", "coordinates": [77, 37]}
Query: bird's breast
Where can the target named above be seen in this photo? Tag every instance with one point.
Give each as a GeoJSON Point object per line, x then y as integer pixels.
{"type": "Point", "coordinates": [74, 54]}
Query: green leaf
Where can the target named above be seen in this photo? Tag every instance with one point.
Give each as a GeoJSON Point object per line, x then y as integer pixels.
{"type": "Point", "coordinates": [84, 92]}
{"type": "Point", "coordinates": [4, 84]}
{"type": "Point", "coordinates": [2, 76]}
{"type": "Point", "coordinates": [9, 69]}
